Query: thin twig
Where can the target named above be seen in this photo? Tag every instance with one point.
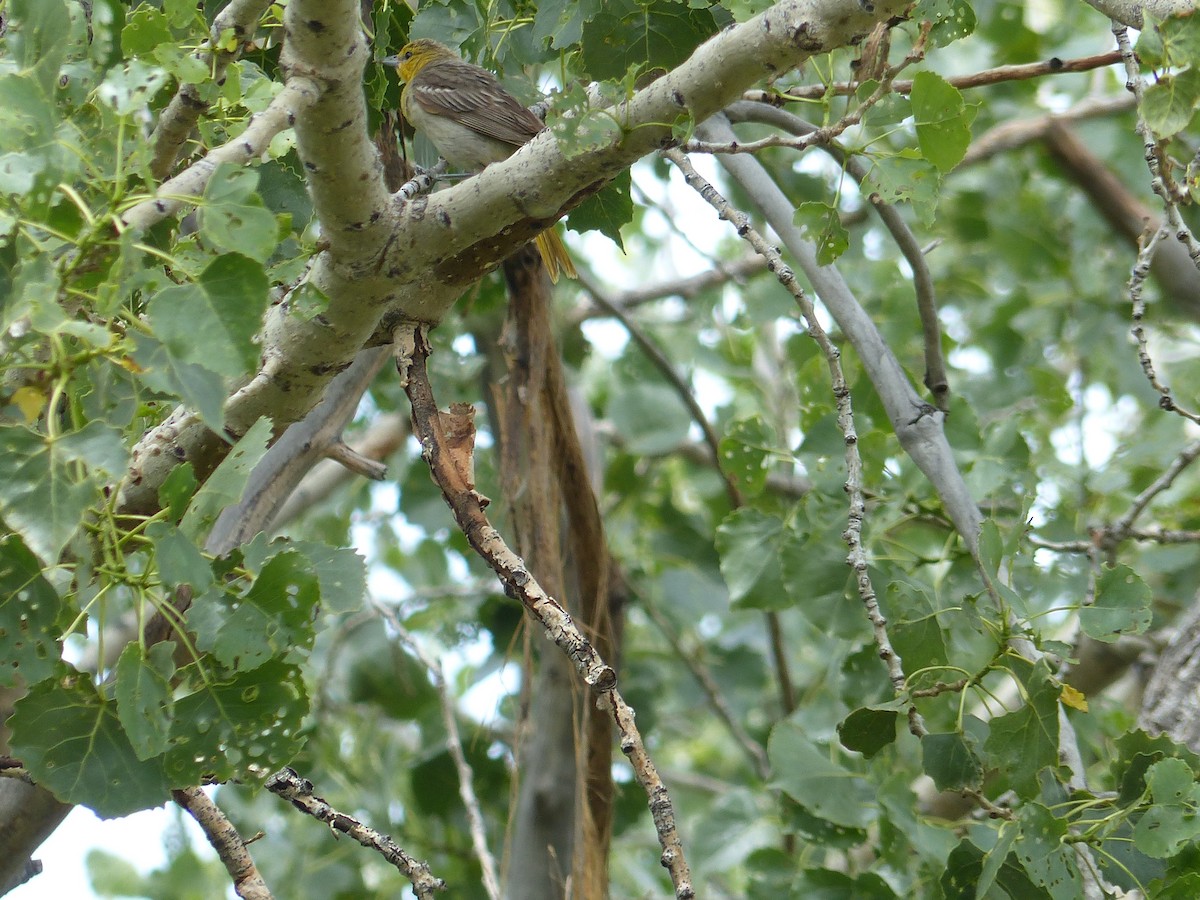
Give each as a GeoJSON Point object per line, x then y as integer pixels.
{"type": "Point", "coordinates": [450, 467]}
{"type": "Point", "coordinates": [225, 839]}
{"type": "Point", "coordinates": [998, 75]}
{"type": "Point", "coordinates": [298, 791]}
{"type": "Point", "coordinates": [753, 749]}
{"type": "Point", "coordinates": [466, 777]}
{"type": "Point", "coordinates": [659, 360]}
{"type": "Point", "coordinates": [857, 558]}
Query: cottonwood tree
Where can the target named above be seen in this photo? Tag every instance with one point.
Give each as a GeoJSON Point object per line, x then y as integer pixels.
{"type": "Point", "coordinates": [861, 471]}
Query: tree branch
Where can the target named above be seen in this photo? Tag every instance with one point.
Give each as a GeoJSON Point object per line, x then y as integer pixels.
{"type": "Point", "coordinates": [225, 839]}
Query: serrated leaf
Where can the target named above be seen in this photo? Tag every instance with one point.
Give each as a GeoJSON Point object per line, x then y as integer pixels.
{"type": "Point", "coordinates": [949, 760]}
{"type": "Point", "coordinates": [916, 632]}
{"type": "Point", "coordinates": [745, 452]}
{"type": "Point", "coordinates": [606, 211]}
{"type": "Point", "coordinates": [72, 743]}
{"type": "Point", "coordinates": [225, 484]}
{"type": "Point", "coordinates": [30, 645]}
{"type": "Point", "coordinates": [1044, 854]}
{"type": "Point", "coordinates": [900, 179]}
{"type": "Point", "coordinates": [199, 388]}
{"type": "Point", "coordinates": [271, 620]}
{"type": "Point", "coordinates": [561, 21]}
{"type": "Point", "coordinates": [246, 726]}
{"type": "Point", "coordinates": [1169, 104]}
{"type": "Point", "coordinates": [868, 730]}
{"type": "Point", "coordinates": [233, 217]}
{"type": "Point", "coordinates": [823, 227]}
{"type": "Point", "coordinates": [179, 560]}
{"type": "Point", "coordinates": [943, 130]}
{"type": "Point", "coordinates": [130, 89]}
{"type": "Point", "coordinates": [143, 694]}
{"type": "Point", "coordinates": [42, 494]}
{"type": "Point", "coordinates": [1122, 605]}
{"type": "Point", "coordinates": [236, 287]}
{"type": "Point", "coordinates": [626, 33]}
{"type": "Point", "coordinates": [1173, 819]}
{"type": "Point", "coordinates": [1023, 742]}
{"type": "Point", "coordinates": [808, 775]}
{"type": "Point", "coordinates": [750, 544]}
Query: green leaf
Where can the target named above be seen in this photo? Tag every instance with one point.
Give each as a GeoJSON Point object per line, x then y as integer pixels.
{"type": "Point", "coordinates": [746, 451]}
{"type": "Point", "coordinates": [30, 645]}
{"type": "Point", "coordinates": [868, 730]}
{"type": "Point", "coordinates": [949, 760]}
{"type": "Point", "coordinates": [579, 127]}
{"type": "Point", "coordinates": [826, 884]}
{"type": "Point", "coordinates": [1122, 605]}
{"type": "Point", "coordinates": [177, 490]}
{"type": "Point", "coordinates": [809, 776]}
{"type": "Point", "coordinates": [943, 130]}
{"type": "Point", "coordinates": [43, 495]}
{"type": "Point", "coordinates": [606, 211]}
{"type": "Point", "coordinates": [38, 37]}
{"type": "Point", "coordinates": [1023, 742]}
{"type": "Point", "coordinates": [899, 179]}
{"type": "Point", "coordinates": [823, 226]}
{"type": "Point", "coordinates": [211, 324]}
{"type": "Point", "coordinates": [130, 88]}
{"type": "Point", "coordinates": [271, 620]}
{"type": "Point", "coordinates": [233, 217]}
{"type": "Point", "coordinates": [199, 388]}
{"type": "Point", "coordinates": [236, 288]}
{"type": "Point", "coordinates": [650, 417]}
{"type": "Point", "coordinates": [1044, 854]}
{"type": "Point", "coordinates": [144, 30]}
{"type": "Point", "coordinates": [143, 693]}
{"type": "Point", "coordinates": [225, 484]}
{"type": "Point", "coordinates": [246, 726]}
{"type": "Point", "coordinates": [72, 742]}
{"type": "Point", "coordinates": [340, 571]}
{"type": "Point", "coordinates": [1169, 104]}
{"type": "Point", "coordinates": [179, 560]}
{"type": "Point", "coordinates": [915, 630]}
{"type": "Point", "coordinates": [750, 544]}
{"type": "Point", "coordinates": [964, 869]}
{"type": "Point", "coordinates": [625, 33]}
{"type": "Point", "coordinates": [1174, 819]}
{"type": "Point", "coordinates": [561, 21]}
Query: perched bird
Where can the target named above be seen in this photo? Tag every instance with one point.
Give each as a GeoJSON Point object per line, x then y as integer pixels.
{"type": "Point", "coordinates": [471, 119]}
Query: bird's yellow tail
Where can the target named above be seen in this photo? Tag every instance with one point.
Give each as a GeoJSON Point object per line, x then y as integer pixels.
{"type": "Point", "coordinates": [554, 255]}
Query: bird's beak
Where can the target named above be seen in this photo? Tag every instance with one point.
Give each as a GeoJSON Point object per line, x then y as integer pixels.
{"type": "Point", "coordinates": [393, 61]}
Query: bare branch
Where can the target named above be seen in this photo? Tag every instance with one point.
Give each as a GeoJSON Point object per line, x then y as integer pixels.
{"type": "Point", "coordinates": [225, 839]}
{"type": "Point", "coordinates": [998, 75]}
{"type": "Point", "coordinates": [450, 468]}
{"type": "Point", "coordinates": [299, 792]}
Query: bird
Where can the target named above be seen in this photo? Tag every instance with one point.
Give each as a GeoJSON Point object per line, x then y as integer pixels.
{"type": "Point", "coordinates": [472, 120]}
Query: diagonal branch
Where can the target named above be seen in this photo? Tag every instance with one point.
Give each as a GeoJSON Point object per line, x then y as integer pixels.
{"type": "Point", "coordinates": [445, 442]}
{"type": "Point", "coordinates": [225, 839]}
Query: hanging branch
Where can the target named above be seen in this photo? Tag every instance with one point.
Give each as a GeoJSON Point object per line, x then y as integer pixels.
{"type": "Point", "coordinates": [447, 441]}
{"type": "Point", "coordinates": [225, 839]}
{"type": "Point", "coordinates": [299, 792]}
{"type": "Point", "coordinates": [845, 419]}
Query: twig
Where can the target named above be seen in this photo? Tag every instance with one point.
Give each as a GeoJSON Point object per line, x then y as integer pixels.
{"type": "Point", "coordinates": [451, 471]}
{"type": "Point", "coordinates": [299, 792]}
{"type": "Point", "coordinates": [659, 360]}
{"type": "Point", "coordinates": [345, 455]}
{"type": "Point", "coordinates": [998, 75]}
{"type": "Point", "coordinates": [225, 839]}
{"type": "Point", "coordinates": [466, 777]}
{"type": "Point", "coordinates": [1186, 457]}
{"type": "Point", "coordinates": [753, 749]}
{"type": "Point", "coordinates": [685, 288]}
{"type": "Point", "coordinates": [857, 558]}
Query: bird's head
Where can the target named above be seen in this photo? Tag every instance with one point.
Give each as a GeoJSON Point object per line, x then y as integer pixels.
{"type": "Point", "coordinates": [415, 55]}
